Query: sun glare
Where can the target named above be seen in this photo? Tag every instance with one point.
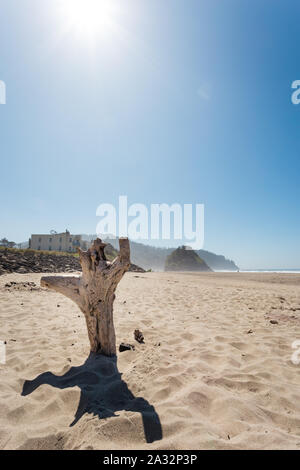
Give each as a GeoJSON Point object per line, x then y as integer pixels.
{"type": "Point", "coordinates": [88, 17]}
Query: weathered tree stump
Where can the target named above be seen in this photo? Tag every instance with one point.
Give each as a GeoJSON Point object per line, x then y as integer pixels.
{"type": "Point", "coordinates": [94, 292]}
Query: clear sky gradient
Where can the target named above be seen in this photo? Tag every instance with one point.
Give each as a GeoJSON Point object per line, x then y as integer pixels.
{"type": "Point", "coordinates": [177, 101]}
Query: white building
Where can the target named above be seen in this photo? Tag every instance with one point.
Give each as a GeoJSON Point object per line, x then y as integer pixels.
{"type": "Point", "coordinates": [65, 242]}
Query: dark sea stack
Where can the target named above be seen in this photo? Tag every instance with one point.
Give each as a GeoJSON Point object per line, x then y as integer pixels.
{"type": "Point", "coordinates": [153, 258]}
{"type": "Point", "coordinates": [185, 259]}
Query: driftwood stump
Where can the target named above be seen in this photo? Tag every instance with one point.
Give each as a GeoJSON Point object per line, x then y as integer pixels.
{"type": "Point", "coordinates": [94, 292]}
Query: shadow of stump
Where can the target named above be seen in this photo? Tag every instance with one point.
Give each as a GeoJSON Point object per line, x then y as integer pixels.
{"type": "Point", "coordinates": [103, 392]}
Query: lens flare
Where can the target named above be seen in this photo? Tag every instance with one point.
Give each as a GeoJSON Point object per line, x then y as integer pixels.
{"type": "Point", "coordinates": [88, 17]}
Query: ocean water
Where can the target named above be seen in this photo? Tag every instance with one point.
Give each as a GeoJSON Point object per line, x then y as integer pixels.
{"type": "Point", "coordinates": [287, 271]}
{"type": "Point", "coordinates": [282, 271]}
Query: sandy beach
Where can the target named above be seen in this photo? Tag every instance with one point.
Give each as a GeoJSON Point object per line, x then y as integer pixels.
{"type": "Point", "coordinates": [214, 372]}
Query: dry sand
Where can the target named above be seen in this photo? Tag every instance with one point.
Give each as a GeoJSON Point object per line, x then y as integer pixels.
{"type": "Point", "coordinates": [202, 380]}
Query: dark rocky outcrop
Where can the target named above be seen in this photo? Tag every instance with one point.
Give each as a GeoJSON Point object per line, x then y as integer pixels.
{"type": "Point", "coordinates": [136, 269]}
{"type": "Point", "coordinates": [185, 259]}
{"type": "Point", "coordinates": [30, 261]}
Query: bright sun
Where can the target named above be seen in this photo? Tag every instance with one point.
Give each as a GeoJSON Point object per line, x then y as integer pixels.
{"type": "Point", "coordinates": [88, 17]}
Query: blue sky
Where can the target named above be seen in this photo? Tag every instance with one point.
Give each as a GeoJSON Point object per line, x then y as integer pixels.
{"type": "Point", "coordinates": [181, 101]}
